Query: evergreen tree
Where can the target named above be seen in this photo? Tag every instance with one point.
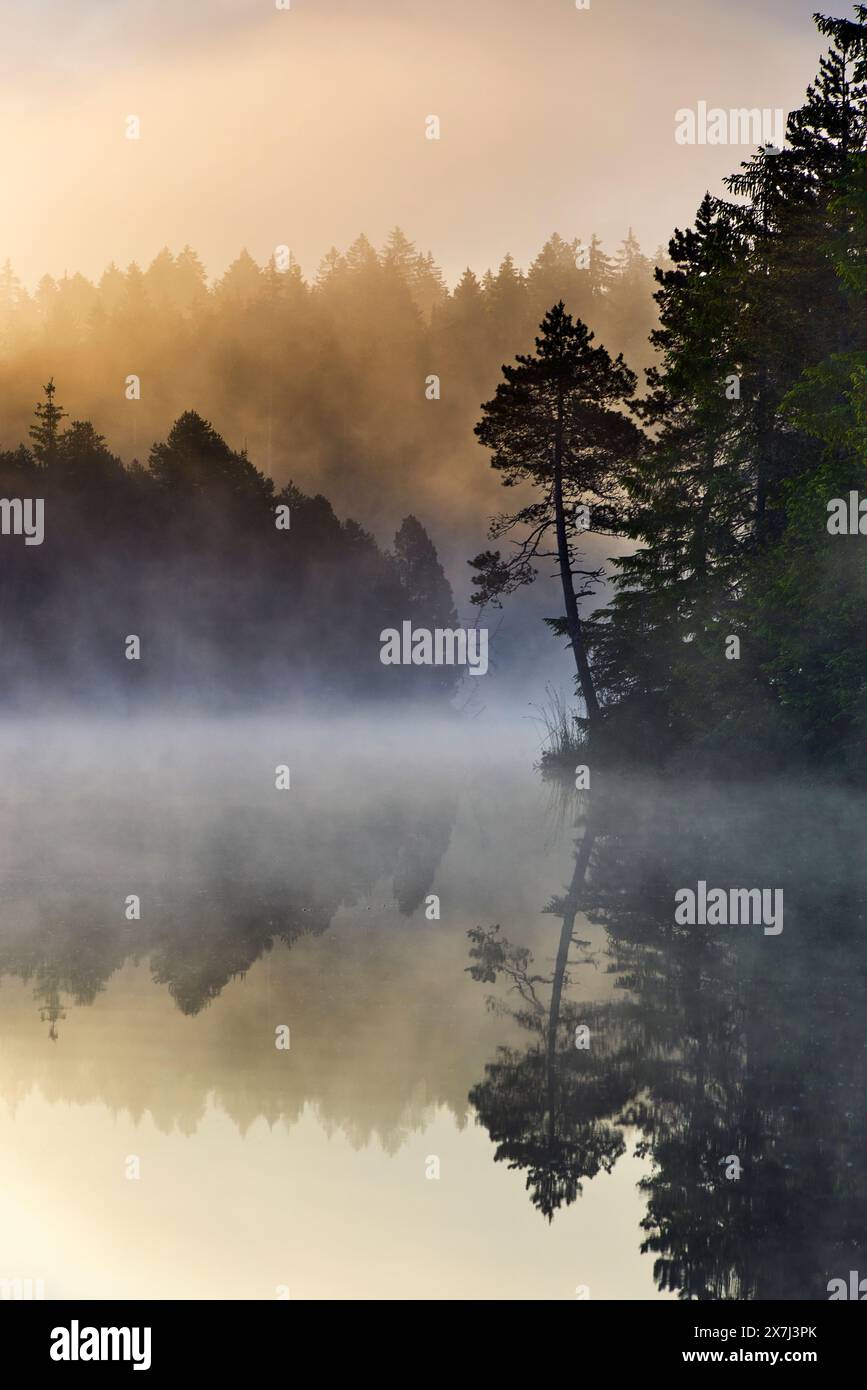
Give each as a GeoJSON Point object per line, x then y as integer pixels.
{"type": "Point", "coordinates": [557, 423]}
{"type": "Point", "coordinates": [45, 432]}
{"type": "Point", "coordinates": [362, 258]}
{"type": "Point", "coordinates": [195, 460]}
{"type": "Point", "coordinates": [422, 576]}
{"type": "Point", "coordinates": [428, 287]}
{"type": "Point", "coordinates": [554, 275]}
{"type": "Point", "coordinates": [688, 501]}
{"type": "Point", "coordinates": [331, 270]}
{"type": "Point", "coordinates": [112, 289]}
{"type": "Point", "coordinates": [506, 302]}
{"type": "Point", "coordinates": [400, 254]}
{"type": "Point", "coordinates": [190, 287]}
{"type": "Point", "coordinates": [160, 280]}
{"type": "Point", "coordinates": [136, 306]}
{"type": "Point", "coordinates": [242, 282]}
{"type": "Point", "coordinates": [602, 273]}
{"type": "Point", "coordinates": [726, 498]}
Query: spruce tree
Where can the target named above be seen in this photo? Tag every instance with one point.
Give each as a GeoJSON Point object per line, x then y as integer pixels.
{"type": "Point", "coordinates": [422, 576]}
{"type": "Point", "coordinates": [45, 432]}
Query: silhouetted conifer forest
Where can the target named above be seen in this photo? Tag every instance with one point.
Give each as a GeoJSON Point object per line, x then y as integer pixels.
{"type": "Point", "coordinates": [736, 614]}
{"type": "Point", "coordinates": [174, 539]}
{"type": "Point", "coordinates": [738, 624]}
{"type": "Point", "coordinates": [186, 556]}
{"type": "Point", "coordinates": [323, 382]}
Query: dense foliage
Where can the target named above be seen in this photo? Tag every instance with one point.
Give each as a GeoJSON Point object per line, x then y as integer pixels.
{"type": "Point", "coordinates": [186, 554]}
{"type": "Point", "coordinates": [738, 625]}
{"type": "Point", "coordinates": [755, 418]}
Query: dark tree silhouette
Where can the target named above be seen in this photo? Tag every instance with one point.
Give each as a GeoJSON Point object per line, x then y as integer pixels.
{"type": "Point", "coordinates": [44, 432]}
{"type": "Point", "coordinates": [186, 554]}
{"type": "Point", "coordinates": [755, 411]}
{"type": "Point", "coordinates": [557, 423]}
{"type": "Point", "coordinates": [709, 1048]}
{"type": "Point", "coordinates": [422, 575]}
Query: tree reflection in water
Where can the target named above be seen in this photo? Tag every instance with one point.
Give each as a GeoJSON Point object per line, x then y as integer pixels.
{"type": "Point", "coordinates": [717, 1042]}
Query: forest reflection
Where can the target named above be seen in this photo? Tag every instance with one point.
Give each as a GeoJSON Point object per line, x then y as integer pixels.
{"type": "Point", "coordinates": [220, 880]}
{"type": "Point", "coordinates": [719, 1042]}
{"type": "Point", "coordinates": [613, 1031]}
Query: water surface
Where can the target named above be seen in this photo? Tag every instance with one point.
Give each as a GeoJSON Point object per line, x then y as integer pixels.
{"type": "Point", "coordinates": [536, 1095]}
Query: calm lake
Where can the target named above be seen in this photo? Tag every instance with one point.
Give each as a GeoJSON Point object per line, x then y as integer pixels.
{"type": "Point", "coordinates": [422, 1025]}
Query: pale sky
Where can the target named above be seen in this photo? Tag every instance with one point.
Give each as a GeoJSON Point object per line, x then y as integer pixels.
{"type": "Point", "coordinates": [306, 126]}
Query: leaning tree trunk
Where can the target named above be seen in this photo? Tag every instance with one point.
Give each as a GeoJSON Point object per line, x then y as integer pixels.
{"type": "Point", "coordinates": [570, 909]}
{"type": "Point", "coordinates": [573, 622]}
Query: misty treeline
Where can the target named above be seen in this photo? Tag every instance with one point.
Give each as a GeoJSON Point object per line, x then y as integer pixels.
{"type": "Point", "coordinates": [324, 382]}
{"type": "Point", "coordinates": [235, 590]}
{"type": "Point", "coordinates": [720, 474]}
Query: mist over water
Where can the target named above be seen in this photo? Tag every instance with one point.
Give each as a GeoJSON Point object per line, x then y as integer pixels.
{"type": "Point", "coordinates": [309, 908]}
{"type": "Point", "coordinates": [433, 697]}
